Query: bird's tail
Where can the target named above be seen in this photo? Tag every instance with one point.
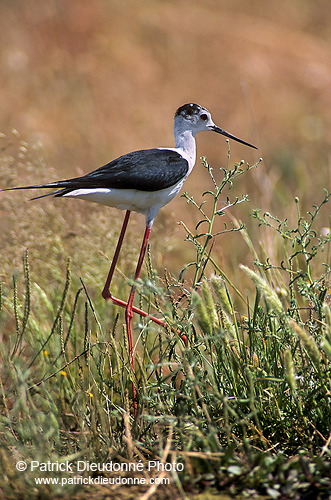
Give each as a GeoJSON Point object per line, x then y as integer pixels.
{"type": "Point", "coordinates": [40, 186]}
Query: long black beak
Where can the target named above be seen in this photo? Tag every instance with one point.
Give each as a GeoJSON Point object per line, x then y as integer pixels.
{"type": "Point", "coordinates": [230, 136]}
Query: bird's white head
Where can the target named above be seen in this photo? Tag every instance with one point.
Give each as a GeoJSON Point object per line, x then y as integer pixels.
{"type": "Point", "coordinates": [195, 118]}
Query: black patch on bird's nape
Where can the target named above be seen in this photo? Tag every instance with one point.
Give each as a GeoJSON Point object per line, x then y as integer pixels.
{"type": "Point", "coordinates": [188, 110]}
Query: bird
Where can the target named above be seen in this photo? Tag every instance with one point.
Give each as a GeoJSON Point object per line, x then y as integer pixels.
{"type": "Point", "coordinates": [142, 181]}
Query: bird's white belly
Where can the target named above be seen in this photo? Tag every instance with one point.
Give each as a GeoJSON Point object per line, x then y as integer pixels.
{"type": "Point", "coordinates": [145, 202]}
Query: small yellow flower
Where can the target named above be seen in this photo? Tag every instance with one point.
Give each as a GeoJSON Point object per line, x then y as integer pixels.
{"type": "Point", "coordinates": [63, 373]}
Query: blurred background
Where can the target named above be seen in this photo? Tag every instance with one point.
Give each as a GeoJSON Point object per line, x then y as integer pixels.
{"type": "Point", "coordinates": [83, 82]}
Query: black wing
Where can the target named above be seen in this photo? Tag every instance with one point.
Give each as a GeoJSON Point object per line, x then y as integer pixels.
{"type": "Point", "coordinates": [145, 170]}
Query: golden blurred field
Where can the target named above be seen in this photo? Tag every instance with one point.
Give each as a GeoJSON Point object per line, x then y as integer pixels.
{"type": "Point", "coordinates": [83, 82]}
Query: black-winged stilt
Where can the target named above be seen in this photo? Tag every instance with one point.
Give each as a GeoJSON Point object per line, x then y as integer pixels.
{"type": "Point", "coordinates": [142, 181]}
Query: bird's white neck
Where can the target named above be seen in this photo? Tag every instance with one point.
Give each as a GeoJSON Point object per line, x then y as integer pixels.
{"type": "Point", "coordinates": [185, 140]}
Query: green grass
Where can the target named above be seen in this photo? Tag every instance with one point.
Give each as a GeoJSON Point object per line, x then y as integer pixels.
{"type": "Point", "coordinates": [245, 407]}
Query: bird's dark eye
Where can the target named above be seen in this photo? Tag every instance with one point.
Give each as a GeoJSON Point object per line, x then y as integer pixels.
{"type": "Point", "coordinates": [203, 117]}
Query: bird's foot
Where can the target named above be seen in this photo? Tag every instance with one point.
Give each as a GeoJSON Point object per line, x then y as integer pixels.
{"type": "Point", "coordinates": [118, 302]}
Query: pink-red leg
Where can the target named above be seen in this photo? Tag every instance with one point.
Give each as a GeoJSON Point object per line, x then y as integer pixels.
{"type": "Point", "coordinates": [106, 289]}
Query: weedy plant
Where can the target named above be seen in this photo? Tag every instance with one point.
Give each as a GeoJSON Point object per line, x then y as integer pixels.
{"type": "Point", "coordinates": [244, 407]}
